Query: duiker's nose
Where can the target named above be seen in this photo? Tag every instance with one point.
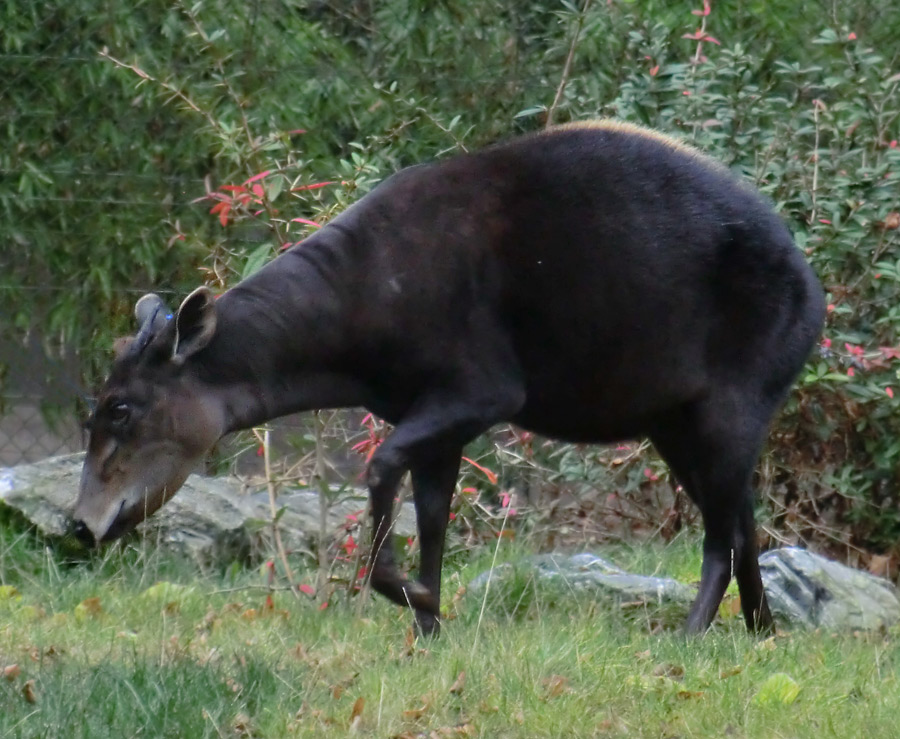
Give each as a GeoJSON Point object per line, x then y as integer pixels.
{"type": "Point", "coordinates": [84, 535]}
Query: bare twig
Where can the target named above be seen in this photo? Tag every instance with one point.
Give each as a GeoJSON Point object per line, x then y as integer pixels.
{"type": "Point", "coordinates": [324, 496]}
{"type": "Point", "coordinates": [487, 586]}
{"type": "Point", "coordinates": [176, 93]}
{"type": "Point", "coordinates": [421, 112]}
{"type": "Point", "coordinates": [273, 508]}
{"type": "Point", "coordinates": [567, 67]}
{"type": "Point", "coordinates": [817, 106]}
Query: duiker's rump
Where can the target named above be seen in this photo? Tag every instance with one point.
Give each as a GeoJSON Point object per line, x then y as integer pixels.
{"type": "Point", "coordinates": [592, 283]}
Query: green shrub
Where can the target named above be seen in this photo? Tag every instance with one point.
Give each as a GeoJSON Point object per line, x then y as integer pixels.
{"type": "Point", "coordinates": [106, 175]}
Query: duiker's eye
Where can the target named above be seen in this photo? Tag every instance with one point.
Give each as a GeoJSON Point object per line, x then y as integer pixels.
{"type": "Point", "coordinates": [120, 413]}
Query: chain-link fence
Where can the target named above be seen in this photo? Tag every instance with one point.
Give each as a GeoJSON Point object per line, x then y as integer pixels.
{"type": "Point", "coordinates": [44, 392]}
{"type": "Point", "coordinates": [27, 436]}
{"type": "Point", "coordinates": [39, 401]}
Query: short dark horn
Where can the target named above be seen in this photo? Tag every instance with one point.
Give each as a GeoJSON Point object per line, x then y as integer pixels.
{"type": "Point", "coordinates": [151, 314]}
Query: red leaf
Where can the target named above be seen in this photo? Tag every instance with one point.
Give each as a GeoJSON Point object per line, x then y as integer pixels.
{"type": "Point", "coordinates": [258, 191]}
{"type": "Point", "coordinates": [234, 188]}
{"type": "Point", "coordinates": [306, 221]}
{"type": "Point", "coordinates": [851, 36]}
{"type": "Point", "coordinates": [259, 176]}
{"type": "Point", "coordinates": [323, 606]}
{"type": "Point", "coordinates": [654, 70]}
{"type": "Point", "coordinates": [297, 131]}
{"type": "Point", "coordinates": [487, 473]}
{"type": "Point", "coordinates": [706, 9]}
{"type": "Point", "coordinates": [307, 590]}
{"type": "Point", "coordinates": [314, 186]}
{"type": "Point", "coordinates": [701, 35]}
{"type": "Point", "coordinates": [889, 391]}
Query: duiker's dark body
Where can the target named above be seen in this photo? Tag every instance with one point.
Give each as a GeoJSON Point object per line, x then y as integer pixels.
{"type": "Point", "coordinates": [593, 283]}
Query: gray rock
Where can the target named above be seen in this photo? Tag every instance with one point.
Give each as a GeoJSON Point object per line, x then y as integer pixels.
{"type": "Point", "coordinates": [588, 573]}
{"type": "Point", "coordinates": [218, 520]}
{"type": "Point", "coordinates": [212, 520]}
{"type": "Point", "coordinates": [43, 492]}
{"type": "Point", "coordinates": [806, 589]}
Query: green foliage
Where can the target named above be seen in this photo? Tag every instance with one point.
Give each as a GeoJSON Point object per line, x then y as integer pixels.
{"type": "Point", "coordinates": [817, 133]}
{"type": "Point", "coordinates": [124, 127]}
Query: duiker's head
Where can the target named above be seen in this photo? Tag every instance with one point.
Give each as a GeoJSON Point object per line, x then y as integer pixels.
{"type": "Point", "coordinates": [152, 423]}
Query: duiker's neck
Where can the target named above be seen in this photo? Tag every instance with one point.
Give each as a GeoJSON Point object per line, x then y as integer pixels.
{"type": "Point", "coordinates": [283, 337]}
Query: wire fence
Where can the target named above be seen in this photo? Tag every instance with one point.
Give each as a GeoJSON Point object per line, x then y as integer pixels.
{"type": "Point", "coordinates": [26, 434]}
{"type": "Point", "coordinates": [41, 401]}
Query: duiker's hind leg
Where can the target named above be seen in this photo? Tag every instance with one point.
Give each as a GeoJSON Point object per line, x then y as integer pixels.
{"type": "Point", "coordinates": [753, 598]}
{"type": "Point", "coordinates": [712, 448]}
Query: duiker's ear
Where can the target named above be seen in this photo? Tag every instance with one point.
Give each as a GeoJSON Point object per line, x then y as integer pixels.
{"type": "Point", "coordinates": [195, 323]}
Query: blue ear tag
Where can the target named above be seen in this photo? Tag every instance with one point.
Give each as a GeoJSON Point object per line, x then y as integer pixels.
{"type": "Point", "coordinates": [168, 316]}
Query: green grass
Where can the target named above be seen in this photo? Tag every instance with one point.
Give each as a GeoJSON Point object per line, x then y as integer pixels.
{"type": "Point", "coordinates": [203, 657]}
